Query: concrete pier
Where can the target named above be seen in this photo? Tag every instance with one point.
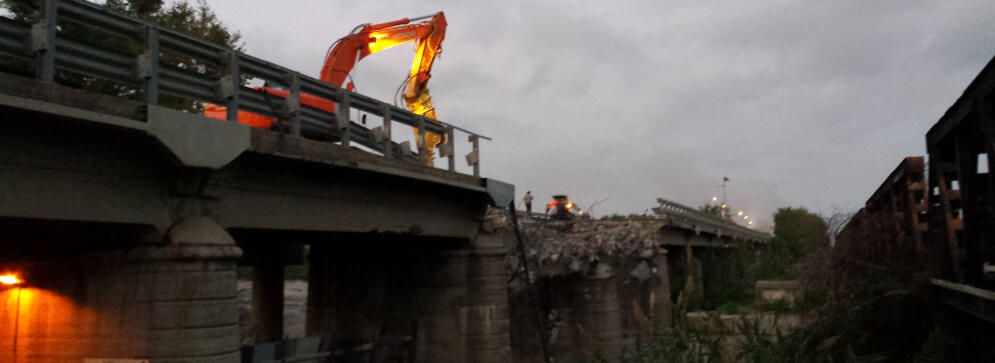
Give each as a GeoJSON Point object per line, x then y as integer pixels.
{"type": "Point", "coordinates": [121, 291]}
{"type": "Point", "coordinates": [592, 324]}
{"type": "Point", "coordinates": [451, 297]}
{"type": "Point", "coordinates": [463, 305]}
{"type": "Point", "coordinates": [188, 287]}
{"type": "Point", "coordinates": [661, 313]}
{"type": "Point", "coordinates": [267, 301]}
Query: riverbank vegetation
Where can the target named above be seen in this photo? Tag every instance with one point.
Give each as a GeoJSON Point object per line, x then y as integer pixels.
{"type": "Point", "coordinates": [866, 299]}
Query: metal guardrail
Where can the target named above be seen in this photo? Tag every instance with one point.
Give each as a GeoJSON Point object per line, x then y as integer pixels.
{"type": "Point", "coordinates": [49, 50]}
{"type": "Point", "coordinates": [703, 222]}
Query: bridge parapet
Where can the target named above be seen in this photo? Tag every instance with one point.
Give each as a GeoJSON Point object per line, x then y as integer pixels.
{"type": "Point", "coordinates": [686, 217]}
{"type": "Point", "coordinates": [207, 73]}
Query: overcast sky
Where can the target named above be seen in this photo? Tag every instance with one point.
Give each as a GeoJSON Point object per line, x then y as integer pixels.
{"type": "Point", "coordinates": [799, 103]}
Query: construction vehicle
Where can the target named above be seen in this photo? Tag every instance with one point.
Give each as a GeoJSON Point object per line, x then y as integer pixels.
{"type": "Point", "coordinates": [427, 32]}
{"type": "Point", "coordinates": [562, 209]}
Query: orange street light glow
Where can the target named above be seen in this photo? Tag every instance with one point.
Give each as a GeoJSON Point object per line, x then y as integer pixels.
{"type": "Point", "coordinates": [9, 280]}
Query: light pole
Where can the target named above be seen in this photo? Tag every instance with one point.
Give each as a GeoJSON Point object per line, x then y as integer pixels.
{"type": "Point", "coordinates": [724, 180]}
{"type": "Point", "coordinates": [725, 212]}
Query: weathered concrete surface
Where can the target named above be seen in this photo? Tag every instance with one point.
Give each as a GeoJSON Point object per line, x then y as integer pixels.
{"type": "Point", "coordinates": [451, 295]}
{"type": "Point", "coordinates": [55, 318]}
{"type": "Point", "coordinates": [63, 161]}
{"type": "Point", "coordinates": [599, 285]}
{"type": "Point", "coordinates": [72, 158]}
{"type": "Point", "coordinates": [196, 141]}
{"type": "Point", "coordinates": [730, 330]}
{"type": "Point", "coordinates": [190, 287]}
{"type": "Point", "coordinates": [788, 291]}
{"type": "Point", "coordinates": [166, 298]}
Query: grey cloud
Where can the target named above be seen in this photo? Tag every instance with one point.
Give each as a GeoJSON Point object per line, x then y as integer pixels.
{"type": "Point", "coordinates": [799, 103]}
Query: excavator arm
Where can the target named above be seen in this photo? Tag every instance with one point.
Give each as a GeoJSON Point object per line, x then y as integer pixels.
{"type": "Point", "coordinates": [372, 38]}
{"type": "Point", "coordinates": [364, 40]}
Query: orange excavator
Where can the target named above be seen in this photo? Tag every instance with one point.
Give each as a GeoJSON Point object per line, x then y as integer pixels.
{"type": "Point", "coordinates": [365, 39]}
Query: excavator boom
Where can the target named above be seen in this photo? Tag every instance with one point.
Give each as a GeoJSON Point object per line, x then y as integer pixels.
{"type": "Point", "coordinates": [428, 33]}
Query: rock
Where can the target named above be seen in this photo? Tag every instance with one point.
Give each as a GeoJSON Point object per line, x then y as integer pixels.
{"type": "Point", "coordinates": [641, 272]}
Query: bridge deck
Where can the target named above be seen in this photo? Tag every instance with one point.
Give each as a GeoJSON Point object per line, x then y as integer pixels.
{"type": "Point", "coordinates": [128, 158]}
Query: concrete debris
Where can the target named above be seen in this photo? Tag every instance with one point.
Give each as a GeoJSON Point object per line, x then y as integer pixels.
{"type": "Point", "coordinates": [642, 271]}
{"type": "Point", "coordinates": [559, 248]}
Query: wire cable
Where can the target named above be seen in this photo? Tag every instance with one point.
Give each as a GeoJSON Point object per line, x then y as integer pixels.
{"type": "Point", "coordinates": [528, 283]}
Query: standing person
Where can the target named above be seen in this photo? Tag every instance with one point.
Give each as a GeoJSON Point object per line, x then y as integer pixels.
{"type": "Point", "coordinates": [528, 203]}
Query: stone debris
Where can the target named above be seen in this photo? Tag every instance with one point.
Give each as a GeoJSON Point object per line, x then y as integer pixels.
{"type": "Point", "coordinates": [642, 271]}
{"type": "Point", "coordinates": [558, 247]}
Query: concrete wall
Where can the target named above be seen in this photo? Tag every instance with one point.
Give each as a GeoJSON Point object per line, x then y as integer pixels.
{"type": "Point", "coordinates": [591, 314]}
{"type": "Point", "coordinates": [788, 291]}
{"type": "Point", "coordinates": [170, 300]}
{"type": "Point", "coordinates": [450, 294]}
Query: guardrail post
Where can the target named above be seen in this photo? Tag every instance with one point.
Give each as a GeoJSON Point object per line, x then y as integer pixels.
{"type": "Point", "coordinates": [230, 85]}
{"type": "Point", "coordinates": [473, 158]}
{"type": "Point", "coordinates": [450, 146]}
{"type": "Point", "coordinates": [385, 111]}
{"type": "Point", "coordinates": [148, 65]}
{"type": "Point", "coordinates": [43, 41]}
{"type": "Point", "coordinates": [294, 103]}
{"type": "Point", "coordinates": [422, 145]}
{"type": "Point", "coordinates": [342, 116]}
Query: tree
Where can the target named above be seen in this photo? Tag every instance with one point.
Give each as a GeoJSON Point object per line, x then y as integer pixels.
{"type": "Point", "coordinates": [797, 230]}
{"type": "Point", "coordinates": [836, 222]}
{"type": "Point", "coordinates": [195, 20]}
{"type": "Point", "coordinates": [715, 210]}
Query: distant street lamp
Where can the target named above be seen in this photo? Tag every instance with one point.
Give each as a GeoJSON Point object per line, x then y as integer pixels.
{"type": "Point", "coordinates": [740, 213]}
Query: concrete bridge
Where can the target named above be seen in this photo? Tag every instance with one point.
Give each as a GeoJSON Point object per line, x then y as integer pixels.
{"type": "Point", "coordinates": [124, 215]}
{"type": "Point", "coordinates": [602, 284]}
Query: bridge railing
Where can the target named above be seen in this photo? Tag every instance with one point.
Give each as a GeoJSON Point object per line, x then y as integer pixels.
{"type": "Point", "coordinates": [704, 222]}
{"type": "Point", "coordinates": [68, 40]}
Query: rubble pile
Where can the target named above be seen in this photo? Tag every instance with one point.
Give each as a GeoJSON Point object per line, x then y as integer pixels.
{"type": "Point", "coordinates": [559, 247]}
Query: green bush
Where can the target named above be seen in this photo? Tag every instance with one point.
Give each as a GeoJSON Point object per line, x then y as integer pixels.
{"type": "Point", "coordinates": [692, 346]}
{"type": "Point", "coordinates": [731, 307]}
{"type": "Point", "coordinates": [781, 306]}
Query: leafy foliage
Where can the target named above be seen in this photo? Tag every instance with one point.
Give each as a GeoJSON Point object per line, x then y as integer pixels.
{"type": "Point", "coordinates": [196, 20]}
{"type": "Point", "coordinates": [713, 209]}
{"type": "Point", "coordinates": [687, 346]}
{"type": "Point", "coordinates": [797, 231]}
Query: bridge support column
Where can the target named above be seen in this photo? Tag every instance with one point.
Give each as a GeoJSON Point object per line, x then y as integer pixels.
{"type": "Point", "coordinates": [457, 296]}
{"type": "Point", "coordinates": [267, 301]}
{"type": "Point", "coordinates": [486, 315]}
{"type": "Point", "coordinates": [644, 295]}
{"type": "Point", "coordinates": [188, 286]}
{"type": "Point", "coordinates": [662, 307]}
{"type": "Point", "coordinates": [347, 294]}
{"type": "Point", "coordinates": [317, 290]}
{"type": "Point", "coordinates": [591, 320]}
{"type": "Point", "coordinates": [463, 305]}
